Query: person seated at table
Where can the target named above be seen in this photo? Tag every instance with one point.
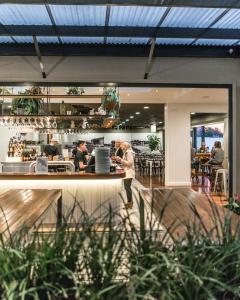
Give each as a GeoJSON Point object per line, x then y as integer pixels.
{"type": "Point", "coordinates": [80, 159]}
{"type": "Point", "coordinates": [217, 154]}
{"type": "Point", "coordinates": [193, 152]}
{"type": "Point", "coordinates": [203, 148]}
{"type": "Point", "coordinates": [194, 160]}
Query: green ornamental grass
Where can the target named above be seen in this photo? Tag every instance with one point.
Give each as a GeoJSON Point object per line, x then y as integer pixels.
{"type": "Point", "coordinates": [102, 259]}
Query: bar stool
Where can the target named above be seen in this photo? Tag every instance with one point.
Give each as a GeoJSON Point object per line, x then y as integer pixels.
{"type": "Point", "coordinates": [224, 173]}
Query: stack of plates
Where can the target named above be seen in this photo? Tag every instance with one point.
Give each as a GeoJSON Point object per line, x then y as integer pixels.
{"type": "Point", "coordinates": [102, 160]}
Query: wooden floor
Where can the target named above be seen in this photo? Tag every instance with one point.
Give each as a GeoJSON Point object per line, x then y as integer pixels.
{"type": "Point", "coordinates": [178, 204]}
{"type": "Point", "coordinates": [180, 208]}
{"type": "Point", "coordinates": [150, 181]}
{"type": "Point", "coordinates": [157, 182]}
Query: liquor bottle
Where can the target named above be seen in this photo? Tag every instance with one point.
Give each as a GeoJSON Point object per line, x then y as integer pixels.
{"type": "Point", "coordinates": [62, 108]}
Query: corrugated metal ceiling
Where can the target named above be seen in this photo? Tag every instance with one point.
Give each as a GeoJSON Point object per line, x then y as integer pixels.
{"type": "Point", "coordinates": [83, 15]}
{"type": "Point", "coordinates": [215, 42]}
{"type": "Point", "coordinates": [47, 39]}
{"type": "Point", "coordinates": [5, 39]}
{"type": "Point", "coordinates": [168, 41]}
{"type": "Point", "coordinates": [20, 14]}
{"type": "Point", "coordinates": [191, 17]}
{"type": "Point", "coordinates": [230, 20]}
{"type": "Point", "coordinates": [135, 16]}
{"type": "Point", "coordinates": [126, 16]}
{"type": "Point", "coordinates": [126, 40]}
{"type": "Point", "coordinates": [82, 40]}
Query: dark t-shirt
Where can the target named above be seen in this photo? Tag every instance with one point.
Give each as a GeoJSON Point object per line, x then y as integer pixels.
{"type": "Point", "coordinates": [51, 150]}
{"type": "Point", "coordinates": [79, 157]}
{"type": "Point", "coordinates": [119, 152]}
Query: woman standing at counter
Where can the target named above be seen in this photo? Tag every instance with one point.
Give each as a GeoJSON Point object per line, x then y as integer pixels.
{"type": "Point", "coordinates": [128, 164]}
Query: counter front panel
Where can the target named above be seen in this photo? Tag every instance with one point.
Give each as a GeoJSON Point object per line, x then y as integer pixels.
{"type": "Point", "coordinates": [92, 192]}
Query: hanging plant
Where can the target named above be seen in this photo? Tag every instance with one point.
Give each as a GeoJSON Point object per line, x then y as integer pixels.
{"type": "Point", "coordinates": [27, 105]}
{"type": "Point", "coordinates": [75, 90]}
{"type": "Point", "coordinates": [111, 102]}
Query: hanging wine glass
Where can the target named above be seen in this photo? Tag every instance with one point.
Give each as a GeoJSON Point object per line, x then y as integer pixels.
{"type": "Point", "coordinates": [26, 122]}
{"type": "Point", "coordinates": [54, 123]}
{"type": "Point", "coordinates": [41, 123]}
{"type": "Point", "coordinates": [32, 122]}
{"type": "Point", "coordinates": [72, 124]}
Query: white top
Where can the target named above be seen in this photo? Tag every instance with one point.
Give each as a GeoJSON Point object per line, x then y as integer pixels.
{"type": "Point", "coordinates": [128, 163]}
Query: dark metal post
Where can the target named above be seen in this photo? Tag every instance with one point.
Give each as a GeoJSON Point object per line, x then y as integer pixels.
{"type": "Point", "coordinates": [59, 212]}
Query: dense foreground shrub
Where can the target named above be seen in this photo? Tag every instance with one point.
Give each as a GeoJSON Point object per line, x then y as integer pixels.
{"type": "Point", "coordinates": [123, 261]}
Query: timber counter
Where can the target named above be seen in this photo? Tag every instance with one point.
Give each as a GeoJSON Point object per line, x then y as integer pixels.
{"type": "Point", "coordinates": [92, 193]}
{"type": "Point", "coordinates": [62, 176]}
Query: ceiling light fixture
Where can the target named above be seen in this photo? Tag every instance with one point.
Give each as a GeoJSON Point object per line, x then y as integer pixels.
{"type": "Point", "coordinates": [146, 107]}
{"type": "Point", "coordinates": [137, 113]}
{"type": "Point", "coordinates": [127, 120]}
{"type": "Point", "coordinates": [131, 117]}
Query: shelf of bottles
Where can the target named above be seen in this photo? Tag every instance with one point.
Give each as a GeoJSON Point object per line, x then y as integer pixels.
{"type": "Point", "coordinates": [33, 109]}
{"type": "Point", "coordinates": [19, 148]}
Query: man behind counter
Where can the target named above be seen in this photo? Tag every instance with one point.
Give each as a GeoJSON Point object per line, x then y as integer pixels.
{"type": "Point", "coordinates": [51, 149]}
{"type": "Point", "coordinates": [80, 159]}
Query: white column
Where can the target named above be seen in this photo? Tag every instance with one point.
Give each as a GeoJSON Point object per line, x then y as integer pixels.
{"type": "Point", "coordinates": [225, 143]}
{"type": "Point", "coordinates": [236, 139]}
{"type": "Point", "coordinates": [177, 145]}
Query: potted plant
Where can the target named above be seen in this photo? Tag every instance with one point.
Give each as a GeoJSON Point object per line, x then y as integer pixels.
{"type": "Point", "coordinates": [153, 142]}
{"type": "Point", "coordinates": [75, 90]}
{"type": "Point", "coordinates": [27, 105]}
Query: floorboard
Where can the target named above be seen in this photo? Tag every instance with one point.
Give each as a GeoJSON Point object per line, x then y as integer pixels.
{"type": "Point", "coordinates": [180, 208]}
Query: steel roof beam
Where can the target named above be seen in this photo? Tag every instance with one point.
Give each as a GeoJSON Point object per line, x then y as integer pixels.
{"type": "Point", "coordinates": [107, 18]}
{"type": "Point", "coordinates": [117, 50]}
{"type": "Point", "coordinates": [37, 49]}
{"type": "Point", "coordinates": [170, 3]}
{"type": "Point", "coordinates": [119, 31]}
{"type": "Point", "coordinates": [48, 9]}
{"type": "Point", "coordinates": [150, 58]}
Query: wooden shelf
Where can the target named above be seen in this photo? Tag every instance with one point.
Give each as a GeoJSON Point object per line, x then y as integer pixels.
{"type": "Point", "coordinates": [52, 96]}
{"type": "Point", "coordinates": [71, 117]}
{"type": "Point", "coordinates": [62, 176]}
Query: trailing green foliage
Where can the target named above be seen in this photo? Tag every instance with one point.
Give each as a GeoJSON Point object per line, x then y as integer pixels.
{"type": "Point", "coordinates": [104, 259]}
{"type": "Point", "coordinates": [26, 105]}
